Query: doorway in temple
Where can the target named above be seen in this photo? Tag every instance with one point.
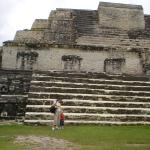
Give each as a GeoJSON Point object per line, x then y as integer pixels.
{"type": "Point", "coordinates": [114, 65]}
{"type": "Point", "coordinates": [71, 62]}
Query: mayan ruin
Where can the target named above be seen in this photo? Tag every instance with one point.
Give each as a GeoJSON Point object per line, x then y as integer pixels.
{"type": "Point", "coordinates": [96, 61]}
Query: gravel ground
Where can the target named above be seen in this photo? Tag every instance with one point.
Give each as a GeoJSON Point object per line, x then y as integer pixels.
{"type": "Point", "coordinates": [45, 143]}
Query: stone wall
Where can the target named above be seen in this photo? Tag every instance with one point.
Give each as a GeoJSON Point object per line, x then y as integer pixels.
{"type": "Point", "coordinates": [14, 85]}
{"type": "Point", "coordinates": [19, 58]}
{"type": "Point", "coordinates": [147, 22]}
{"type": "Point", "coordinates": [28, 35]}
{"type": "Point", "coordinates": [40, 24]}
{"type": "Point", "coordinates": [126, 17]}
{"type": "Point", "coordinates": [74, 60]}
{"type": "Point", "coordinates": [61, 26]}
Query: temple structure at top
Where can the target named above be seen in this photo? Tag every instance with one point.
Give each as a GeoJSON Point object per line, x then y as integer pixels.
{"type": "Point", "coordinates": [114, 39]}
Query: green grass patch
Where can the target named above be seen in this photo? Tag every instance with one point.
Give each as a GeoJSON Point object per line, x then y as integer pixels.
{"type": "Point", "coordinates": [90, 137]}
{"type": "Point", "coordinates": [6, 143]}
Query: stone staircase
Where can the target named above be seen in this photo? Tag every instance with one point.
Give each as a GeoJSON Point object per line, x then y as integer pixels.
{"type": "Point", "coordinates": [112, 33]}
{"type": "Point", "coordinates": [95, 98]}
{"type": "Point", "coordinates": [112, 41]}
{"type": "Point", "coordinates": [86, 22]}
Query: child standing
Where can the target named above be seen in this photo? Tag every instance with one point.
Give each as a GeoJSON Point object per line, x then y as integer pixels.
{"type": "Point", "coordinates": [62, 118]}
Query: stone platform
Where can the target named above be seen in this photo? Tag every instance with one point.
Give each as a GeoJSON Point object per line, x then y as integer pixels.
{"type": "Point", "coordinates": [95, 98]}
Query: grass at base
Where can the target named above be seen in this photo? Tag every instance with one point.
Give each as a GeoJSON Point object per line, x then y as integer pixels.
{"type": "Point", "coordinates": [6, 143]}
{"type": "Point", "coordinates": [90, 137]}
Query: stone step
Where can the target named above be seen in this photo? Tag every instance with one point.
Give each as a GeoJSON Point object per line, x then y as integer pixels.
{"type": "Point", "coordinates": [85, 40]}
{"type": "Point", "coordinates": [92, 110]}
{"type": "Point", "coordinates": [89, 91]}
{"type": "Point", "coordinates": [49, 79]}
{"type": "Point", "coordinates": [90, 30]}
{"type": "Point", "coordinates": [103, 35]}
{"type": "Point", "coordinates": [112, 32]}
{"type": "Point", "coordinates": [87, 15]}
{"type": "Point", "coordinates": [47, 122]}
{"type": "Point", "coordinates": [98, 103]}
{"type": "Point", "coordinates": [49, 101]}
{"type": "Point", "coordinates": [90, 25]}
{"type": "Point", "coordinates": [91, 75]}
{"type": "Point", "coordinates": [86, 12]}
{"type": "Point", "coordinates": [87, 27]}
{"type": "Point", "coordinates": [14, 95]}
{"type": "Point", "coordinates": [89, 117]}
{"type": "Point", "coordinates": [81, 16]}
{"type": "Point", "coordinates": [67, 95]}
{"type": "Point", "coordinates": [83, 20]}
{"type": "Point", "coordinates": [113, 40]}
{"type": "Point", "coordinates": [88, 20]}
{"type": "Point", "coordinates": [45, 85]}
{"type": "Point", "coordinates": [100, 38]}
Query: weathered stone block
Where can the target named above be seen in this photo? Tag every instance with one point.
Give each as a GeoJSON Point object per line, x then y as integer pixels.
{"type": "Point", "coordinates": [40, 24]}
{"type": "Point", "coordinates": [28, 35]}
{"type": "Point", "coordinates": [122, 16]}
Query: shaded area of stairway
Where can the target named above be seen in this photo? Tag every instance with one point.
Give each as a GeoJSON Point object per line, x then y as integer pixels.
{"type": "Point", "coordinates": [89, 98]}
{"type": "Point", "coordinates": [86, 22]}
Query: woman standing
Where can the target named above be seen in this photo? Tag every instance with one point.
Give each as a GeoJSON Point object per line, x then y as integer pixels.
{"type": "Point", "coordinates": [57, 113]}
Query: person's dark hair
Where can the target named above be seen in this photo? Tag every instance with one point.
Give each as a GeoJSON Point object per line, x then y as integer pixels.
{"type": "Point", "coordinates": [60, 101]}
